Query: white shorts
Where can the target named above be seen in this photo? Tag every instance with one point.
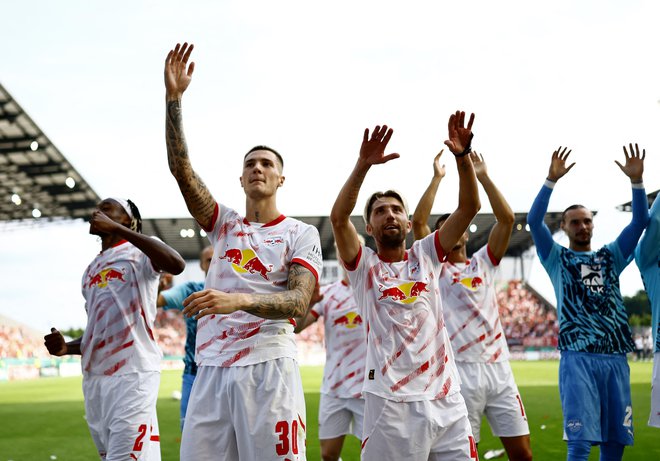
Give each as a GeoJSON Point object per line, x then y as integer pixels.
{"type": "Point", "coordinates": [489, 389]}
{"type": "Point", "coordinates": [417, 431]}
{"type": "Point", "coordinates": [338, 416]}
{"type": "Point", "coordinates": [251, 413]}
{"type": "Point", "coordinates": [654, 418]}
{"type": "Point", "coordinates": [121, 415]}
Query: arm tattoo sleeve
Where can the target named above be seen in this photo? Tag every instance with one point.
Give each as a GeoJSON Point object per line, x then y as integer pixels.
{"type": "Point", "coordinates": [287, 304]}
{"type": "Point", "coordinates": [199, 200]}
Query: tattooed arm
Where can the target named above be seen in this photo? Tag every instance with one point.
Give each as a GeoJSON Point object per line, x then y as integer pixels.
{"type": "Point", "coordinates": [178, 75]}
{"type": "Point", "coordinates": [286, 304]}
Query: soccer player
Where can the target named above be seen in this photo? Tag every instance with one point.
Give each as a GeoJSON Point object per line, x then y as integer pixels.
{"type": "Point", "coordinates": [594, 335]}
{"type": "Point", "coordinates": [467, 288]}
{"type": "Point", "coordinates": [341, 408]}
{"type": "Point", "coordinates": [647, 257]}
{"type": "Point", "coordinates": [120, 357]}
{"type": "Point", "coordinates": [173, 299]}
{"type": "Point", "coordinates": [413, 407]}
{"type": "Point", "coordinates": [247, 401]}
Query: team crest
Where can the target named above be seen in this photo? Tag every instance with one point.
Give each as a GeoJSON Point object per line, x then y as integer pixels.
{"type": "Point", "coordinates": [404, 293]}
{"type": "Point", "coordinates": [246, 261]}
{"type": "Point", "coordinates": [102, 278]}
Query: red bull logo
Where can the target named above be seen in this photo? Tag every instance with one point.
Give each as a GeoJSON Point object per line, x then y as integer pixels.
{"type": "Point", "coordinates": [349, 320]}
{"type": "Point", "coordinates": [471, 283]}
{"type": "Point", "coordinates": [102, 278]}
{"type": "Point", "coordinates": [246, 261]}
{"type": "Point", "coordinates": [405, 293]}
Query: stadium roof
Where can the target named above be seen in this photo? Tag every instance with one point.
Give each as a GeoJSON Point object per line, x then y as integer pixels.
{"type": "Point", "coordinates": [35, 175]}
{"type": "Point", "coordinates": [628, 205]}
{"type": "Point", "coordinates": [186, 236]}
{"type": "Point", "coordinates": [36, 180]}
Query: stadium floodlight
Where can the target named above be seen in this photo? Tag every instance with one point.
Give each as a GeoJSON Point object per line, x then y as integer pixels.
{"type": "Point", "coordinates": [183, 233]}
{"type": "Point", "coordinates": [70, 182]}
{"type": "Point", "coordinates": [36, 213]}
{"type": "Point", "coordinates": [34, 145]}
{"type": "Point", "coordinates": [473, 228]}
{"type": "Point", "coordinates": [202, 233]}
{"type": "Point", "coordinates": [16, 199]}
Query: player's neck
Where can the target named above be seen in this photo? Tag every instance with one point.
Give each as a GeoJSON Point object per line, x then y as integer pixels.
{"type": "Point", "coordinates": [577, 246]}
{"type": "Point", "coordinates": [109, 240]}
{"type": "Point", "coordinates": [262, 210]}
{"type": "Point", "coordinates": [392, 254]}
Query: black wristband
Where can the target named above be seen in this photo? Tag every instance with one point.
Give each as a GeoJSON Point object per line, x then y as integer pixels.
{"type": "Point", "coordinates": [467, 149]}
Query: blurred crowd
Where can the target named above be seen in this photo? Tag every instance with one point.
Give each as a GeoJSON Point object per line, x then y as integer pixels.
{"type": "Point", "coordinates": [19, 343]}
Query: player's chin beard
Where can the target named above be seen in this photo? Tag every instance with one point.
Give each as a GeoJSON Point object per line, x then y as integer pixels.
{"type": "Point", "coordinates": [392, 241]}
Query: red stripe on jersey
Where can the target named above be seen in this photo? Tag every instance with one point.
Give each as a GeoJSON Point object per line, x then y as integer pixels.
{"type": "Point", "coordinates": [474, 315]}
{"type": "Point", "coordinates": [495, 355]}
{"type": "Point", "coordinates": [113, 369]}
{"type": "Point", "coordinates": [132, 456]}
{"type": "Point", "coordinates": [207, 343]}
{"type": "Point", "coordinates": [440, 325]}
{"type": "Point", "coordinates": [418, 321]}
{"type": "Point", "coordinates": [239, 355]}
{"type": "Point", "coordinates": [465, 347]}
{"type": "Point", "coordinates": [406, 379]}
{"type": "Point", "coordinates": [307, 266]}
{"type": "Point", "coordinates": [445, 389]}
{"type": "Point", "coordinates": [144, 317]}
{"type": "Point", "coordinates": [440, 357]}
{"type": "Point", "coordinates": [343, 380]}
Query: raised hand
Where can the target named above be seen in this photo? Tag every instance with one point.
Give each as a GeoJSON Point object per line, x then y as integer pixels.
{"type": "Point", "coordinates": [634, 167]}
{"type": "Point", "coordinates": [178, 73]}
{"type": "Point", "coordinates": [372, 151]}
{"type": "Point", "coordinates": [460, 136]}
{"type": "Point", "coordinates": [558, 166]}
{"type": "Point", "coordinates": [55, 343]}
{"type": "Point", "coordinates": [479, 165]}
{"type": "Point", "coordinates": [439, 171]}
{"type": "Point", "coordinates": [100, 222]}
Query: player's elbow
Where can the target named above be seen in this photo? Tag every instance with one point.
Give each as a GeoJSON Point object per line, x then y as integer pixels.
{"type": "Point", "coordinates": [507, 218]}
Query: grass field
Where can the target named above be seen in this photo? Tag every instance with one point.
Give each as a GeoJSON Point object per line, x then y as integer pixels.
{"type": "Point", "coordinates": [44, 418]}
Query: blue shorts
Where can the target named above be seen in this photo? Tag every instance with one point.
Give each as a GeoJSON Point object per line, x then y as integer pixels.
{"type": "Point", "coordinates": [595, 397]}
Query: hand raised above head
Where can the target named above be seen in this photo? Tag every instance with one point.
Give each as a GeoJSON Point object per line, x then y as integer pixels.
{"type": "Point", "coordinates": [634, 167]}
{"type": "Point", "coordinates": [439, 171]}
{"type": "Point", "coordinates": [460, 136]}
{"type": "Point", "coordinates": [558, 166]}
{"type": "Point", "coordinates": [178, 73]}
{"type": "Point", "coordinates": [479, 164]}
{"type": "Point", "coordinates": [372, 150]}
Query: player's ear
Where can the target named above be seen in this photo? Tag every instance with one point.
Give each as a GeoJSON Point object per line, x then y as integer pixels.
{"type": "Point", "coordinates": [282, 178]}
{"type": "Point", "coordinates": [369, 229]}
{"type": "Point", "coordinates": [240, 178]}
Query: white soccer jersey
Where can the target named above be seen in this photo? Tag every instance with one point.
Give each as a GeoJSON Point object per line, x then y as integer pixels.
{"type": "Point", "coordinates": [409, 357]}
{"type": "Point", "coordinates": [120, 287]}
{"type": "Point", "coordinates": [345, 341]}
{"type": "Point", "coordinates": [253, 258]}
{"type": "Point", "coordinates": [470, 307]}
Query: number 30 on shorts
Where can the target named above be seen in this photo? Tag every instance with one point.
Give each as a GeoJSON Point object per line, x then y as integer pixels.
{"type": "Point", "coordinates": [288, 437]}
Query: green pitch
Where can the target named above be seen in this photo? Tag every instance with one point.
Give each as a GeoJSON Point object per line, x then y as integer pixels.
{"type": "Point", "coordinates": [44, 418]}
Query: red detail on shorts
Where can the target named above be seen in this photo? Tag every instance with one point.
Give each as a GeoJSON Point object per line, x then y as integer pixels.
{"type": "Point", "coordinates": [302, 424]}
{"type": "Point", "coordinates": [364, 442]}
{"type": "Point", "coordinates": [133, 456]}
{"type": "Point", "coordinates": [155, 438]}
{"type": "Point", "coordinates": [522, 409]}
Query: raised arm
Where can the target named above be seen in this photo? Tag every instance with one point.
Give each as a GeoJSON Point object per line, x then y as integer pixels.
{"type": "Point", "coordinates": [420, 219]}
{"type": "Point", "coordinates": [648, 250]}
{"type": "Point", "coordinates": [372, 152]}
{"type": "Point", "coordinates": [460, 138]}
{"type": "Point", "coordinates": [500, 234]}
{"type": "Point", "coordinates": [286, 304]}
{"type": "Point", "coordinates": [540, 232]}
{"type": "Point", "coordinates": [162, 256]}
{"type": "Point", "coordinates": [634, 169]}
{"type": "Point", "coordinates": [178, 75]}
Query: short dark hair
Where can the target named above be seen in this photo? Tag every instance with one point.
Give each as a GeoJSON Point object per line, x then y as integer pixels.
{"type": "Point", "coordinates": [136, 222]}
{"type": "Point", "coordinates": [269, 149]}
{"type": "Point", "coordinates": [376, 195]}
{"type": "Point", "coordinates": [571, 208]}
{"type": "Point", "coordinates": [442, 218]}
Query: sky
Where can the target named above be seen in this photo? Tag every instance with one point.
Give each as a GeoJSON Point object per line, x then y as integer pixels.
{"type": "Point", "coordinates": [306, 78]}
